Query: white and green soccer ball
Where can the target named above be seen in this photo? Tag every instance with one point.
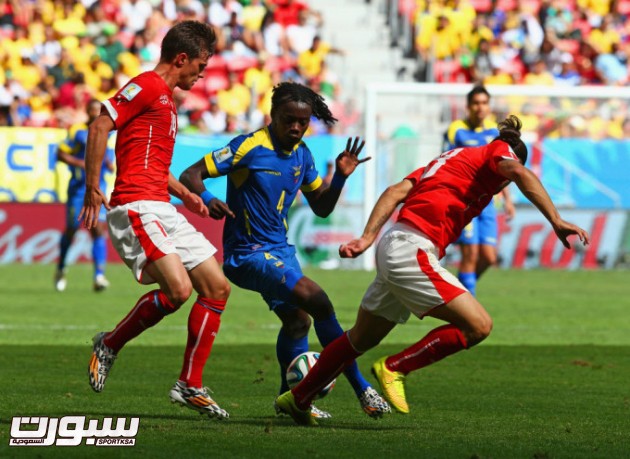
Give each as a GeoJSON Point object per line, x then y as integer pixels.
{"type": "Point", "coordinates": [299, 368]}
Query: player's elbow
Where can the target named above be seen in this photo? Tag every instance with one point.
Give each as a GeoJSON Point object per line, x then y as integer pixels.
{"type": "Point", "coordinates": [185, 178]}
{"type": "Point", "coordinates": [321, 212]}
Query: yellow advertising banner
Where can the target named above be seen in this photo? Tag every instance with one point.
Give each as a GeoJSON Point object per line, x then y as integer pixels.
{"type": "Point", "coordinates": [29, 171]}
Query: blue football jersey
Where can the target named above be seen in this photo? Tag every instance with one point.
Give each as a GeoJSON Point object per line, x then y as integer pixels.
{"type": "Point", "coordinates": [263, 181]}
{"type": "Point", "coordinates": [75, 144]}
{"type": "Point", "coordinates": [460, 134]}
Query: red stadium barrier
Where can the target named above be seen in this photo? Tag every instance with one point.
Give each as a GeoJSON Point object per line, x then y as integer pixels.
{"type": "Point", "coordinates": [30, 233]}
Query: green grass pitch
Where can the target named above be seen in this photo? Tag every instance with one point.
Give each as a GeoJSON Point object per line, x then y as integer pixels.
{"type": "Point", "coordinates": [552, 380]}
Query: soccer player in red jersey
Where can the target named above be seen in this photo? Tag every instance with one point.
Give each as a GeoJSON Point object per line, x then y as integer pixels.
{"type": "Point", "coordinates": [150, 235]}
{"type": "Point", "coordinates": [438, 201]}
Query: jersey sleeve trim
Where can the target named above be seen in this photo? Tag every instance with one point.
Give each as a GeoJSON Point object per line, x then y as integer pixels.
{"type": "Point", "coordinates": [315, 184]}
{"type": "Point", "coordinates": [211, 166]}
{"type": "Point", "coordinates": [111, 110]}
{"type": "Point", "coordinates": [452, 131]}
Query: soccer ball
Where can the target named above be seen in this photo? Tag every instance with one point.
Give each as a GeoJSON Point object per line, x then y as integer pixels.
{"type": "Point", "coordinates": [300, 366]}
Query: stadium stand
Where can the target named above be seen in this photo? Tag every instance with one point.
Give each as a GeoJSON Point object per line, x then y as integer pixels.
{"type": "Point", "coordinates": [56, 54]}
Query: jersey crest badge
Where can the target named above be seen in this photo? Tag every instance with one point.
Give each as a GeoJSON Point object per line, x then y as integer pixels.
{"type": "Point", "coordinates": [296, 171]}
{"type": "Point", "coordinates": [222, 155]}
{"type": "Point", "coordinates": [130, 91]}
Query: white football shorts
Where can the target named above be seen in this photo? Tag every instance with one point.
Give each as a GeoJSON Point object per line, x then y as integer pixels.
{"type": "Point", "coordinates": [145, 231]}
{"type": "Point", "coordinates": [409, 277]}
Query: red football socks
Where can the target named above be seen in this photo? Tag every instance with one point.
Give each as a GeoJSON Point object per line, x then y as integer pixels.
{"type": "Point", "coordinates": [148, 311]}
{"type": "Point", "coordinates": [332, 361]}
{"type": "Point", "coordinates": [203, 326]}
{"type": "Point", "coordinates": [437, 344]}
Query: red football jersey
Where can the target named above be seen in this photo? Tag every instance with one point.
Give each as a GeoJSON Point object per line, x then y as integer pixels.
{"type": "Point", "coordinates": [453, 189]}
{"type": "Point", "coordinates": [146, 119]}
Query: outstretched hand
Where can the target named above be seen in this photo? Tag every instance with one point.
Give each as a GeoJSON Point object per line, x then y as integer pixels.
{"type": "Point", "coordinates": [195, 204]}
{"type": "Point", "coordinates": [92, 206]}
{"type": "Point", "coordinates": [218, 209]}
{"type": "Point", "coordinates": [348, 160]}
{"type": "Point", "coordinates": [565, 229]}
{"type": "Point", "coordinates": [354, 248]}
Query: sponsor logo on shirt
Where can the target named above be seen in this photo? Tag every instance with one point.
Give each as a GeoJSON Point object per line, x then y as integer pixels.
{"type": "Point", "coordinates": [130, 91]}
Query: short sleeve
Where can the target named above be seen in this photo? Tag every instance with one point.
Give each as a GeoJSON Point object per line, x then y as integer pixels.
{"type": "Point", "coordinates": [311, 180]}
{"type": "Point", "coordinates": [69, 145]}
{"type": "Point", "coordinates": [130, 101]}
{"type": "Point", "coordinates": [222, 161]}
{"type": "Point", "coordinates": [416, 175]}
{"type": "Point", "coordinates": [500, 151]}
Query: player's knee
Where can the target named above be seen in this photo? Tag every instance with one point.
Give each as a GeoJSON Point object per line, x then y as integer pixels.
{"type": "Point", "coordinates": [222, 292]}
{"type": "Point", "coordinates": [179, 294]}
{"type": "Point", "coordinates": [320, 306]}
{"type": "Point", "coordinates": [479, 331]}
{"type": "Point", "coordinates": [298, 327]}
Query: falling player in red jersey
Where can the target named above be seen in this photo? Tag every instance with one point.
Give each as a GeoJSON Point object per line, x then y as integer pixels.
{"type": "Point", "coordinates": [150, 235]}
{"type": "Point", "coordinates": [438, 201]}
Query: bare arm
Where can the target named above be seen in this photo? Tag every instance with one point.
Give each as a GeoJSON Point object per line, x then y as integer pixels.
{"type": "Point", "coordinates": [533, 190]}
{"type": "Point", "coordinates": [508, 204]}
{"type": "Point", "coordinates": [383, 210]}
{"type": "Point", "coordinates": [98, 133]}
{"type": "Point", "coordinates": [192, 179]}
{"type": "Point", "coordinates": [191, 201]}
{"type": "Point", "coordinates": [324, 199]}
{"type": "Point", "coordinates": [69, 159]}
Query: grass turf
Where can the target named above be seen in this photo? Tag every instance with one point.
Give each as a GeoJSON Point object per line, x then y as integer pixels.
{"type": "Point", "coordinates": [551, 381]}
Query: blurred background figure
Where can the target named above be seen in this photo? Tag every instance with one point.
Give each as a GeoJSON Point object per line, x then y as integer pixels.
{"type": "Point", "coordinates": [72, 152]}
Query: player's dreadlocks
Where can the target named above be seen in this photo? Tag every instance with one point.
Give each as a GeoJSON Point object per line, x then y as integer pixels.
{"type": "Point", "coordinates": [510, 133]}
{"type": "Point", "coordinates": [289, 91]}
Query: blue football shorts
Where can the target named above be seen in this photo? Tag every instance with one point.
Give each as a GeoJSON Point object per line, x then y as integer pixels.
{"type": "Point", "coordinates": [483, 229]}
{"type": "Point", "coordinates": [73, 209]}
{"type": "Point", "coordinates": [271, 273]}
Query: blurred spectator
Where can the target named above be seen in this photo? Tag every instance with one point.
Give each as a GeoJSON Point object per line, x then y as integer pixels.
{"type": "Point", "coordinates": [274, 38]}
{"type": "Point", "coordinates": [220, 11]}
{"type": "Point", "coordinates": [135, 14]}
{"type": "Point", "coordinates": [585, 63]}
{"type": "Point", "coordinates": [568, 75]}
{"type": "Point", "coordinates": [64, 70]}
{"type": "Point", "coordinates": [48, 52]}
{"type": "Point", "coordinates": [482, 64]}
{"type": "Point", "coordinates": [603, 38]}
{"type": "Point", "coordinates": [287, 12]}
{"type": "Point", "coordinates": [300, 36]}
{"type": "Point", "coordinates": [258, 79]}
{"type": "Point", "coordinates": [236, 99]}
{"type": "Point", "coordinates": [112, 47]}
{"type": "Point", "coordinates": [442, 42]}
{"type": "Point", "coordinates": [610, 69]}
{"type": "Point", "coordinates": [558, 18]}
{"type": "Point", "coordinates": [310, 61]}
{"type": "Point", "coordinates": [550, 55]}
{"type": "Point", "coordinates": [27, 73]}
{"type": "Point", "coordinates": [539, 75]}
{"type": "Point", "coordinates": [215, 120]}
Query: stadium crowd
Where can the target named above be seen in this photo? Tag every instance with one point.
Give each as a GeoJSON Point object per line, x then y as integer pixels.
{"type": "Point", "coordinates": [541, 42]}
{"type": "Point", "coordinates": [58, 54]}
{"type": "Point", "coordinates": [530, 42]}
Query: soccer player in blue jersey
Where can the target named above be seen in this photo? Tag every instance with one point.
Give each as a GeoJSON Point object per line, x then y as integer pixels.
{"type": "Point", "coordinates": [265, 170]}
{"type": "Point", "coordinates": [478, 241]}
{"type": "Point", "coordinates": [72, 152]}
